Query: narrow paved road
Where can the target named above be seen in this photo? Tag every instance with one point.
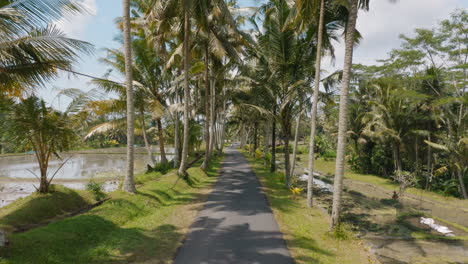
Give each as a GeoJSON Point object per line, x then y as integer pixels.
{"type": "Point", "coordinates": [236, 225]}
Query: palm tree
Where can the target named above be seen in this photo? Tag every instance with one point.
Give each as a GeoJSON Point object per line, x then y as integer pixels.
{"type": "Point", "coordinates": [343, 114]}
{"type": "Point", "coordinates": [129, 182]}
{"type": "Point", "coordinates": [313, 117]}
{"type": "Point", "coordinates": [281, 61]}
{"type": "Point", "coordinates": [44, 130]}
{"type": "Point", "coordinates": [31, 54]}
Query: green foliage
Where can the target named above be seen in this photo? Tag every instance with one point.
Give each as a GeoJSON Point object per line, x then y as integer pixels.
{"type": "Point", "coordinates": [259, 154]}
{"type": "Point", "coordinates": [341, 232]}
{"type": "Point", "coordinates": [142, 227]}
{"type": "Point", "coordinates": [329, 154]}
{"type": "Point", "coordinates": [408, 113]}
{"type": "Point", "coordinates": [96, 189]}
{"type": "Point", "coordinates": [162, 168]}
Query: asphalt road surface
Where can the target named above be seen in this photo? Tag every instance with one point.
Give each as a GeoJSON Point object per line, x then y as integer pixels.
{"type": "Point", "coordinates": [236, 224]}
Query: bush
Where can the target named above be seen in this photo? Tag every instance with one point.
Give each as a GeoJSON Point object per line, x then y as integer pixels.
{"type": "Point", "coordinates": [329, 154]}
{"type": "Point", "coordinates": [259, 154]}
{"type": "Point", "coordinates": [341, 232]}
{"type": "Point", "coordinates": [96, 189]}
{"type": "Point", "coordinates": [163, 168]}
{"type": "Point", "coordinates": [281, 177]}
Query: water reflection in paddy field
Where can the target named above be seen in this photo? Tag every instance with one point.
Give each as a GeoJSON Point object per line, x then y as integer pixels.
{"type": "Point", "coordinates": [17, 179]}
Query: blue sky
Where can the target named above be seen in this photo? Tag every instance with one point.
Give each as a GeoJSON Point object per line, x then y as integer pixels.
{"type": "Point", "coordinates": [380, 27]}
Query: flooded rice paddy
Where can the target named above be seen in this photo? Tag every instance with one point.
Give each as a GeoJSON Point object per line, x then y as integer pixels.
{"type": "Point", "coordinates": [17, 172]}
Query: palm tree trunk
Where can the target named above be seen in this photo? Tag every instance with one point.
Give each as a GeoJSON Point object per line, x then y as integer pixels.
{"type": "Point", "coordinates": [255, 145]}
{"type": "Point", "coordinates": [176, 132]}
{"type": "Point", "coordinates": [287, 164]}
{"type": "Point", "coordinates": [343, 115]}
{"type": "Point", "coordinates": [462, 183]}
{"type": "Point", "coordinates": [145, 138]}
{"type": "Point", "coordinates": [296, 137]}
{"type": "Point", "coordinates": [129, 182]}
{"type": "Point", "coordinates": [184, 159]}
{"type": "Point", "coordinates": [223, 122]}
{"type": "Point", "coordinates": [313, 117]}
{"type": "Point", "coordinates": [206, 162]}
{"type": "Point", "coordinates": [212, 118]}
{"type": "Point", "coordinates": [266, 143]}
{"type": "Point", "coordinates": [273, 143]}
{"type": "Point", "coordinates": [161, 141]}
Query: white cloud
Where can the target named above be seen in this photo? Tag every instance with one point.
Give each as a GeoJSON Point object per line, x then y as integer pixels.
{"type": "Point", "coordinates": [385, 21]}
{"type": "Point", "coordinates": [75, 26]}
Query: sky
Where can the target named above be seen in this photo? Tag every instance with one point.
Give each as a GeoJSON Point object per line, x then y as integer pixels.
{"type": "Point", "coordinates": [380, 27]}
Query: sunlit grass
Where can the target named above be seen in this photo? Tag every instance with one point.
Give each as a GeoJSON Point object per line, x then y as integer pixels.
{"type": "Point", "coordinates": [144, 227]}
{"type": "Point", "coordinates": [307, 230]}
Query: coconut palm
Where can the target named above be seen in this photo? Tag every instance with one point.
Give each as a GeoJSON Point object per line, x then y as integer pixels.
{"type": "Point", "coordinates": [282, 61]}
{"type": "Point", "coordinates": [44, 130]}
{"type": "Point", "coordinates": [31, 54]}
{"type": "Point", "coordinates": [354, 5]}
{"type": "Point", "coordinates": [129, 182]}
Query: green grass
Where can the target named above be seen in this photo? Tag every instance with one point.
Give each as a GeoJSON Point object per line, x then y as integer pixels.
{"type": "Point", "coordinates": [307, 230]}
{"type": "Point", "coordinates": [144, 227]}
{"type": "Point", "coordinates": [38, 208]}
{"type": "Point", "coordinates": [328, 167]}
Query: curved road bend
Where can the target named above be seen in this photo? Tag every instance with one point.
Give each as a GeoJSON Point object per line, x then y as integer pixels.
{"type": "Point", "coordinates": [236, 225]}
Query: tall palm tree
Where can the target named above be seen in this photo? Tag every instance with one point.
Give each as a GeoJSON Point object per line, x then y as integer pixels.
{"type": "Point", "coordinates": [328, 19]}
{"type": "Point", "coordinates": [313, 118]}
{"type": "Point", "coordinates": [354, 5]}
{"type": "Point", "coordinates": [129, 182]}
{"type": "Point", "coordinates": [31, 54]}
{"type": "Point", "coordinates": [343, 114]}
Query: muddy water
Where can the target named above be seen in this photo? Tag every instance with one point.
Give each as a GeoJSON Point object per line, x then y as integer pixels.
{"type": "Point", "coordinates": [79, 166]}
{"type": "Point", "coordinates": [17, 179]}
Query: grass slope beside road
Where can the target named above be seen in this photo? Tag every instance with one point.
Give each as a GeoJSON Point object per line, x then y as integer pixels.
{"type": "Point", "coordinates": [307, 230]}
{"type": "Point", "coordinates": [328, 167]}
{"type": "Point", "coordinates": [146, 227]}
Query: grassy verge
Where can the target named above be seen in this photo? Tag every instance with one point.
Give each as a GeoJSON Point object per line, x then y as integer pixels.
{"type": "Point", "coordinates": [306, 230]}
{"type": "Point", "coordinates": [328, 167]}
{"type": "Point", "coordinates": [146, 227]}
{"type": "Point", "coordinates": [38, 208]}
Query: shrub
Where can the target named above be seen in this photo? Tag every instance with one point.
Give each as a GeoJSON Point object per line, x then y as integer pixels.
{"type": "Point", "coordinates": [96, 189]}
{"type": "Point", "coordinates": [329, 154]}
{"type": "Point", "coordinates": [341, 232]}
{"type": "Point", "coordinates": [259, 154]}
{"type": "Point", "coordinates": [163, 168]}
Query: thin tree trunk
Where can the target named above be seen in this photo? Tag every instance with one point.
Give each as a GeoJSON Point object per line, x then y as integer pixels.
{"type": "Point", "coordinates": [273, 143]}
{"type": "Point", "coordinates": [212, 117]}
{"type": "Point", "coordinates": [145, 138]}
{"type": "Point", "coordinates": [429, 161]}
{"type": "Point", "coordinates": [313, 117]}
{"type": "Point", "coordinates": [129, 182]}
{"type": "Point", "coordinates": [176, 132]}
{"type": "Point", "coordinates": [161, 141]}
{"type": "Point", "coordinates": [206, 162]}
{"type": "Point", "coordinates": [223, 122]}
{"type": "Point", "coordinates": [287, 164]}
{"type": "Point", "coordinates": [343, 115]}
{"type": "Point", "coordinates": [266, 143]}
{"type": "Point", "coordinates": [462, 183]}
{"type": "Point", "coordinates": [184, 159]}
{"type": "Point", "coordinates": [296, 138]}
{"type": "Point", "coordinates": [255, 146]}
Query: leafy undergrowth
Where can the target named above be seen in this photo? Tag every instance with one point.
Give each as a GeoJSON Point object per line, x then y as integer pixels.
{"type": "Point", "coordinates": [307, 230]}
{"type": "Point", "coordinates": [38, 208]}
{"type": "Point", "coordinates": [144, 227]}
